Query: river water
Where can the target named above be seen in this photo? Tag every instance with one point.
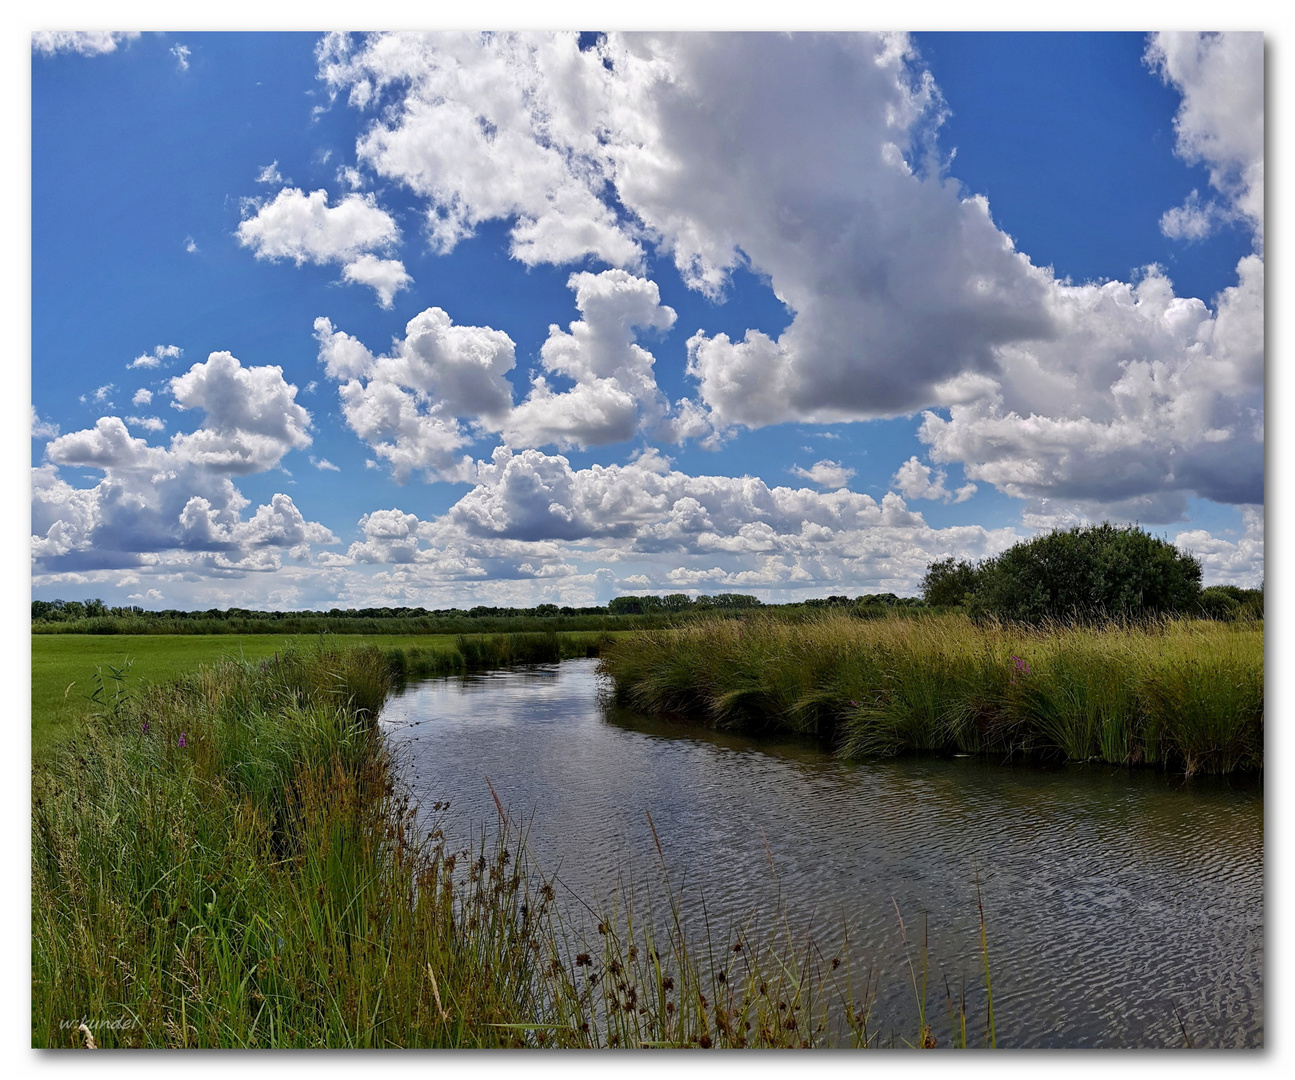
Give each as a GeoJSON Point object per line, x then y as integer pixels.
{"type": "Point", "coordinates": [1122, 907]}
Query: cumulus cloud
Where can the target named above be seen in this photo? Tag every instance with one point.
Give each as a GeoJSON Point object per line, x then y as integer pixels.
{"type": "Point", "coordinates": [615, 392]}
{"type": "Point", "coordinates": [1221, 119]}
{"type": "Point", "coordinates": [804, 157]}
{"type": "Point", "coordinates": [828, 474]}
{"type": "Point", "coordinates": [1227, 562]}
{"type": "Point", "coordinates": [1193, 220]}
{"type": "Point", "coordinates": [812, 160]}
{"type": "Point", "coordinates": [190, 245]}
{"type": "Point", "coordinates": [406, 405]}
{"type": "Point", "coordinates": [323, 464]}
{"type": "Point", "coordinates": [304, 228]}
{"type": "Point", "coordinates": [159, 356]}
{"type": "Point", "coordinates": [175, 507]}
{"type": "Point", "coordinates": [533, 517]}
{"type": "Point", "coordinates": [917, 481]}
{"type": "Point", "coordinates": [386, 277]}
{"type": "Point", "coordinates": [181, 54]}
{"type": "Point", "coordinates": [142, 397]}
{"type": "Point", "coordinates": [1146, 399]}
{"type": "Point", "coordinates": [489, 126]}
{"type": "Point", "coordinates": [85, 42]}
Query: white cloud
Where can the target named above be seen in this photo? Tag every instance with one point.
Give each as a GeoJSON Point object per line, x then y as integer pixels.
{"type": "Point", "coordinates": [1221, 119]}
{"type": "Point", "coordinates": [406, 405]}
{"type": "Point", "coordinates": [828, 474]}
{"type": "Point", "coordinates": [801, 156]}
{"type": "Point", "coordinates": [489, 126]}
{"type": "Point", "coordinates": [142, 397]}
{"type": "Point", "coordinates": [270, 174]}
{"type": "Point", "coordinates": [100, 395]}
{"type": "Point", "coordinates": [615, 392]}
{"type": "Point", "coordinates": [252, 418]}
{"type": "Point", "coordinates": [190, 245]}
{"type": "Point", "coordinates": [305, 228]}
{"type": "Point", "coordinates": [914, 481]}
{"type": "Point", "coordinates": [174, 508]}
{"type": "Point", "coordinates": [85, 42]}
{"type": "Point", "coordinates": [810, 159]}
{"type": "Point", "coordinates": [181, 54]}
{"type": "Point", "coordinates": [1193, 220]}
{"type": "Point", "coordinates": [148, 423]}
{"type": "Point", "coordinates": [1146, 398]}
{"type": "Point", "coordinates": [41, 429]}
{"type": "Point", "coordinates": [1226, 562]}
{"type": "Point", "coordinates": [323, 464]}
{"type": "Point", "coordinates": [532, 517]}
{"type": "Point", "coordinates": [385, 276]}
{"type": "Point", "coordinates": [159, 356]}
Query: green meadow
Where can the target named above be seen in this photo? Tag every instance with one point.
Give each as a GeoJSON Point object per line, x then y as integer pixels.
{"type": "Point", "coordinates": [73, 674]}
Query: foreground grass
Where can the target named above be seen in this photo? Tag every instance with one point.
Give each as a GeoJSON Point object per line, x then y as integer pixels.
{"type": "Point", "coordinates": [1181, 694]}
{"type": "Point", "coordinates": [223, 860]}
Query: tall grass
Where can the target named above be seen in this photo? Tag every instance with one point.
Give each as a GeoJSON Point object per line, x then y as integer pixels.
{"type": "Point", "coordinates": [225, 861]}
{"type": "Point", "coordinates": [1179, 694]}
{"type": "Point", "coordinates": [480, 652]}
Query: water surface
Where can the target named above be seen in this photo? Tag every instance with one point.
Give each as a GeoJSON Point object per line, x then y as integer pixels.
{"type": "Point", "coordinates": [1117, 901]}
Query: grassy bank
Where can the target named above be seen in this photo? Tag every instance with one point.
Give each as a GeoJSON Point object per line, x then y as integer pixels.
{"type": "Point", "coordinates": [1180, 694]}
{"type": "Point", "coordinates": [73, 675]}
{"type": "Point", "coordinates": [224, 860]}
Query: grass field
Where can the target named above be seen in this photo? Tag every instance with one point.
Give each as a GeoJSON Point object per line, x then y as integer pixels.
{"type": "Point", "coordinates": [63, 669]}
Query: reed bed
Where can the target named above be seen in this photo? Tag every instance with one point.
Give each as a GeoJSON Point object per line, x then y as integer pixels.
{"type": "Point", "coordinates": [1179, 694]}
{"type": "Point", "coordinates": [482, 652]}
{"type": "Point", "coordinates": [225, 861]}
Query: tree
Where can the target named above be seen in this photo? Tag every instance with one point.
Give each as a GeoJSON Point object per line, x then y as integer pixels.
{"type": "Point", "coordinates": [1092, 572]}
{"type": "Point", "coordinates": [949, 582]}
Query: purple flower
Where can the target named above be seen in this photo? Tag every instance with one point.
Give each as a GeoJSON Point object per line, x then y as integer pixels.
{"type": "Point", "coordinates": [145, 727]}
{"type": "Point", "coordinates": [1021, 665]}
{"type": "Point", "coordinates": [181, 743]}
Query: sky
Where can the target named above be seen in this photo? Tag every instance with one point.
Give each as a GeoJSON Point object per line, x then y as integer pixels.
{"type": "Point", "coordinates": [444, 320]}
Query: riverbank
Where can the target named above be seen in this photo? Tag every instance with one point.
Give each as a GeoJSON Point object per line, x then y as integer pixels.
{"type": "Point", "coordinates": [75, 675]}
{"type": "Point", "coordinates": [1180, 694]}
{"type": "Point", "coordinates": [225, 860]}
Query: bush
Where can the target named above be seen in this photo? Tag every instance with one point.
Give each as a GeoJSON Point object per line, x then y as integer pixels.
{"type": "Point", "coordinates": [1090, 573]}
{"type": "Point", "coordinates": [949, 583]}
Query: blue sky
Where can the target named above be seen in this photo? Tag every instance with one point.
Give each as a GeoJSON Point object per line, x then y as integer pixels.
{"type": "Point", "coordinates": [806, 313]}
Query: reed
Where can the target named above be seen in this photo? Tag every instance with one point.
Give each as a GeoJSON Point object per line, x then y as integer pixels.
{"type": "Point", "coordinates": [1179, 694]}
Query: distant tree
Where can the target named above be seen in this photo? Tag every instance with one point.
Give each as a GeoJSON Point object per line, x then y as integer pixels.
{"type": "Point", "coordinates": [677, 602]}
{"type": "Point", "coordinates": [1228, 602]}
{"type": "Point", "coordinates": [949, 582]}
{"type": "Point", "coordinates": [1087, 573]}
{"type": "Point", "coordinates": [734, 600]}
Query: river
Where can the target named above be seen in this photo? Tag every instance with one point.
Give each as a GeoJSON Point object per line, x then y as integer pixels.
{"type": "Point", "coordinates": [1123, 907]}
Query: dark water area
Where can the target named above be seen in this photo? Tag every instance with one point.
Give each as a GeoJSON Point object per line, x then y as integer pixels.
{"type": "Point", "coordinates": [1122, 906]}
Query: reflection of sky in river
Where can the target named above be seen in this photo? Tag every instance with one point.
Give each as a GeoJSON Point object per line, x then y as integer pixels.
{"type": "Point", "coordinates": [1111, 896]}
